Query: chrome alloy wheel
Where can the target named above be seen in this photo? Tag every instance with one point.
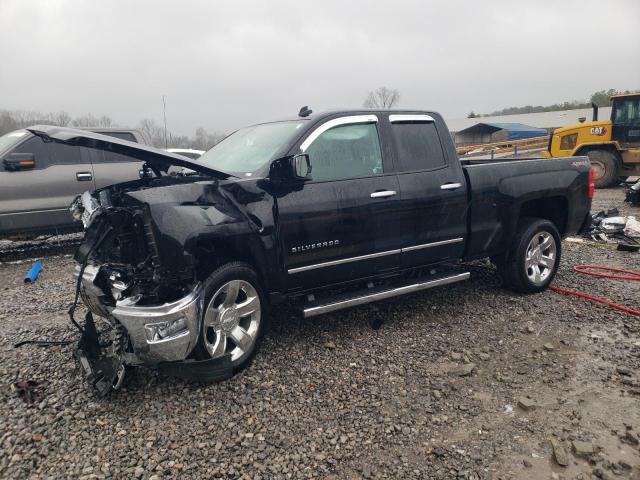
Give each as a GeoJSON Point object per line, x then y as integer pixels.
{"type": "Point", "coordinates": [540, 258]}
{"type": "Point", "coordinates": [232, 320]}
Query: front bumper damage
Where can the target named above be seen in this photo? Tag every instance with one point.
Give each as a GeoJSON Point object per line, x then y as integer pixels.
{"type": "Point", "coordinates": [163, 333]}
{"type": "Point", "coordinates": [141, 286]}
{"type": "Point", "coordinates": [159, 333]}
{"type": "Point", "coordinates": [159, 336]}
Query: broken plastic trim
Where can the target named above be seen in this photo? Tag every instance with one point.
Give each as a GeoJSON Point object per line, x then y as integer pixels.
{"type": "Point", "coordinates": [207, 371]}
{"type": "Point", "coordinates": [104, 372]}
{"type": "Point", "coordinates": [83, 265]}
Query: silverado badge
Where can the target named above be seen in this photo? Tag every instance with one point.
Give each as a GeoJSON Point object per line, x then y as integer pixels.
{"type": "Point", "coordinates": [313, 246]}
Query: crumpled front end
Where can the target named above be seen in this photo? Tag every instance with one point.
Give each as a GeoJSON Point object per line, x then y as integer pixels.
{"type": "Point", "coordinates": [157, 333]}
{"type": "Point", "coordinates": [147, 311]}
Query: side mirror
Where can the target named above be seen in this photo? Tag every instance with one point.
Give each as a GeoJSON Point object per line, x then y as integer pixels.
{"type": "Point", "coordinates": [301, 166]}
{"type": "Point", "coordinates": [19, 161]}
{"type": "Point", "coordinates": [145, 171]}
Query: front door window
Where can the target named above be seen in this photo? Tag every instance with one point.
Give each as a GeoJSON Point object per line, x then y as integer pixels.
{"type": "Point", "coordinates": [346, 151]}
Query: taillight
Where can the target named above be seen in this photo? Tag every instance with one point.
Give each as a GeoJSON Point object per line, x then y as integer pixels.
{"type": "Point", "coordinates": [592, 186]}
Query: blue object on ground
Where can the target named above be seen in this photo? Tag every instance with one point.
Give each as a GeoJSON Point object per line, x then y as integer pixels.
{"type": "Point", "coordinates": [33, 273]}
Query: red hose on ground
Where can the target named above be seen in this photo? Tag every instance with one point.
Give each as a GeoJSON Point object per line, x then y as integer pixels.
{"type": "Point", "coordinates": [585, 269]}
{"type": "Point", "coordinates": [632, 275]}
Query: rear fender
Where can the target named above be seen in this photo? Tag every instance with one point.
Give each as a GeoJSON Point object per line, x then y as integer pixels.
{"type": "Point", "coordinates": [555, 202]}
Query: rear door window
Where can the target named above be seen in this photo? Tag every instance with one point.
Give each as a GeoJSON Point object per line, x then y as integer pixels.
{"type": "Point", "coordinates": [113, 157]}
{"type": "Point", "coordinates": [95, 156]}
{"type": "Point", "coordinates": [417, 145]}
{"type": "Point", "coordinates": [61, 154]}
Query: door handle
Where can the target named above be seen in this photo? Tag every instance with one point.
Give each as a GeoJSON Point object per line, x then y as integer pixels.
{"type": "Point", "coordinates": [383, 194]}
{"type": "Point", "coordinates": [84, 176]}
{"type": "Point", "coordinates": [450, 186]}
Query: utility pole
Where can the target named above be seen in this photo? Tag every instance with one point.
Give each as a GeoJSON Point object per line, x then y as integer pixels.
{"type": "Point", "coordinates": [164, 114]}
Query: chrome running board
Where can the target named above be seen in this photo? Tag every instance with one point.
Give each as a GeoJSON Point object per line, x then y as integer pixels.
{"type": "Point", "coordinates": [381, 295]}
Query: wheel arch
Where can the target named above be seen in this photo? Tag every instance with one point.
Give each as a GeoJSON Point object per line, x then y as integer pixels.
{"type": "Point", "coordinates": [610, 147]}
{"type": "Point", "coordinates": [553, 208]}
{"type": "Point", "coordinates": [211, 253]}
{"type": "Point", "coordinates": [514, 268]}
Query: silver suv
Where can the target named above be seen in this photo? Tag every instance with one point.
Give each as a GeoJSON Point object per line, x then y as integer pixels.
{"type": "Point", "coordinates": [39, 178]}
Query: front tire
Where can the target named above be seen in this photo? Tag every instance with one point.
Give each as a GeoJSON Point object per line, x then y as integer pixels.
{"type": "Point", "coordinates": [605, 168]}
{"type": "Point", "coordinates": [233, 317]}
{"type": "Point", "coordinates": [533, 262]}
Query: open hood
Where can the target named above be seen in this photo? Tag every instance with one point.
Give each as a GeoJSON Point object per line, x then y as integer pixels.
{"type": "Point", "coordinates": [157, 159]}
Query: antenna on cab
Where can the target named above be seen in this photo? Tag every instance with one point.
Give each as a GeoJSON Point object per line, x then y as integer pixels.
{"type": "Point", "coordinates": [305, 111]}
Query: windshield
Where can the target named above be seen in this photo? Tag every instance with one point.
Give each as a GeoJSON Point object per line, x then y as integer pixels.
{"type": "Point", "coordinates": [10, 139]}
{"type": "Point", "coordinates": [627, 111]}
{"type": "Point", "coordinates": [251, 148]}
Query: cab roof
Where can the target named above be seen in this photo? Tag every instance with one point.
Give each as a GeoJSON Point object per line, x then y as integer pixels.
{"type": "Point", "coordinates": [353, 111]}
{"type": "Point", "coordinates": [621, 95]}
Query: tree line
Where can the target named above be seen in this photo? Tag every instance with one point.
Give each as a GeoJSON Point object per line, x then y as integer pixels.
{"type": "Point", "coordinates": [601, 98]}
{"type": "Point", "coordinates": [15, 119]}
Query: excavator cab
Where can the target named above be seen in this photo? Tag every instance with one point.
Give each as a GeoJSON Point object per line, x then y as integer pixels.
{"type": "Point", "coordinates": [613, 146]}
{"type": "Point", "coordinates": [625, 119]}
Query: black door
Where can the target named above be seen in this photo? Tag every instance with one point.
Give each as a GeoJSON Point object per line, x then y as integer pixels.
{"type": "Point", "coordinates": [342, 224]}
{"type": "Point", "coordinates": [433, 200]}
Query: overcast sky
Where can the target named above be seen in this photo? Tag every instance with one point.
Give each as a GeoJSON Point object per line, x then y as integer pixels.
{"type": "Point", "coordinates": [223, 65]}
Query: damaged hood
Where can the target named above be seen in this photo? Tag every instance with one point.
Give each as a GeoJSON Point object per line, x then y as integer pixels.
{"type": "Point", "coordinates": [160, 160]}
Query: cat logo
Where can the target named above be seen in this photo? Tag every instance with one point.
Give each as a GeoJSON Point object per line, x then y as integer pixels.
{"type": "Point", "coordinates": [598, 130]}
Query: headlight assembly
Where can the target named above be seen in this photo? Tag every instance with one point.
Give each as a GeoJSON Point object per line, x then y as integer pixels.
{"type": "Point", "coordinates": [568, 142]}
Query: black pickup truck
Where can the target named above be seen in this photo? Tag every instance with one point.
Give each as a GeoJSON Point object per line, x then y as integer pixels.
{"type": "Point", "coordinates": [325, 212]}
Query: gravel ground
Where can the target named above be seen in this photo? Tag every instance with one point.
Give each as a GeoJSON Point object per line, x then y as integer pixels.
{"type": "Point", "coordinates": [44, 245]}
{"type": "Point", "coordinates": [465, 381]}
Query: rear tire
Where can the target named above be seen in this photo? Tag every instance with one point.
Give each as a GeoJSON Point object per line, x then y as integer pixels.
{"type": "Point", "coordinates": [605, 167]}
{"type": "Point", "coordinates": [234, 315]}
{"type": "Point", "coordinates": [531, 265]}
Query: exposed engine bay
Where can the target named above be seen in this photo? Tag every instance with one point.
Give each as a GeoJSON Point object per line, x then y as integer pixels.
{"type": "Point", "coordinates": [145, 304]}
{"type": "Point", "coordinates": [128, 252]}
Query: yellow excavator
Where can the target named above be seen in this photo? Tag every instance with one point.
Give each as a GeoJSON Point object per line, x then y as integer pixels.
{"type": "Point", "coordinates": [613, 146]}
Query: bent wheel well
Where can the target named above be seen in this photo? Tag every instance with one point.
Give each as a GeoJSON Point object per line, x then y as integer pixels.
{"type": "Point", "coordinates": [213, 254]}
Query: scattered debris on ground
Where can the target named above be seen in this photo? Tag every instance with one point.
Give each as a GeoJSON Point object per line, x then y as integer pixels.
{"type": "Point", "coordinates": [28, 390]}
{"type": "Point", "coordinates": [611, 227]}
{"type": "Point", "coordinates": [632, 194]}
{"type": "Point", "coordinates": [34, 271]}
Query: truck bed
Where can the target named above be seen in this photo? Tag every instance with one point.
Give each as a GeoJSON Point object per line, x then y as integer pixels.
{"type": "Point", "coordinates": [499, 190]}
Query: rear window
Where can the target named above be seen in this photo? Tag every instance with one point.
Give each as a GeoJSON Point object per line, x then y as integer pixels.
{"type": "Point", "coordinates": [418, 146]}
{"type": "Point", "coordinates": [130, 137]}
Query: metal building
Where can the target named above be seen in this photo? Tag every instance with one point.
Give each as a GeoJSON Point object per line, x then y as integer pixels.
{"type": "Point", "coordinates": [486, 132]}
{"type": "Point", "coordinates": [546, 120]}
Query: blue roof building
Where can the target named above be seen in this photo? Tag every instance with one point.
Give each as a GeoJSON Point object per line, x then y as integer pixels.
{"type": "Point", "coordinates": [496, 132]}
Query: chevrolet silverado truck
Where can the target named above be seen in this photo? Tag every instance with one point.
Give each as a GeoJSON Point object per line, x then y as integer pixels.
{"type": "Point", "coordinates": [324, 212]}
